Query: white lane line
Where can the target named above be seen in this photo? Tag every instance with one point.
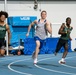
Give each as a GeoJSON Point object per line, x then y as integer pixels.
{"type": "Point", "coordinates": [9, 66]}
{"type": "Point", "coordinates": [52, 69]}
{"type": "Point", "coordinates": [69, 65]}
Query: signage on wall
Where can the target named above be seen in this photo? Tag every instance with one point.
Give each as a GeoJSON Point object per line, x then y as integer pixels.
{"type": "Point", "coordinates": [24, 18]}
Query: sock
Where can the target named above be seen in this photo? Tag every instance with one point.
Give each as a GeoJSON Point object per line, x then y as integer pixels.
{"type": "Point", "coordinates": [63, 59]}
{"type": "Point", "coordinates": [35, 59]}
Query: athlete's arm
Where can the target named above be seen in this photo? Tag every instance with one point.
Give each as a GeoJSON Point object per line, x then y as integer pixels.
{"type": "Point", "coordinates": [48, 27]}
{"type": "Point", "coordinates": [61, 30]}
{"type": "Point", "coordinates": [70, 36]}
{"type": "Point", "coordinates": [35, 22]}
{"type": "Point", "coordinates": [9, 33]}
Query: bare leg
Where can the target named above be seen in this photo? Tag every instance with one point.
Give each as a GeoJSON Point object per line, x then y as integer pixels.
{"type": "Point", "coordinates": [35, 54]}
{"type": "Point", "coordinates": [37, 48]}
{"type": "Point", "coordinates": [58, 47]}
{"type": "Point", "coordinates": [62, 61]}
{"type": "Point", "coordinates": [65, 52]}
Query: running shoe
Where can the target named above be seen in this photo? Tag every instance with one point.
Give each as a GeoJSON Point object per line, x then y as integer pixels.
{"type": "Point", "coordinates": [35, 61]}
{"type": "Point", "coordinates": [61, 62]}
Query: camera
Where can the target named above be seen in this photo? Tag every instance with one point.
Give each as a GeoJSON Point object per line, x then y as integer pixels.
{"type": "Point", "coordinates": [35, 6]}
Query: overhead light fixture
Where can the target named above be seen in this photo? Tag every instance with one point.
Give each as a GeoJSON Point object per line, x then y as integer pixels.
{"type": "Point", "coordinates": [35, 4]}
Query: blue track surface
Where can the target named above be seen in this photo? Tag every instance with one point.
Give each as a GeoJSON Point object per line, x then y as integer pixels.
{"type": "Point", "coordinates": [47, 65]}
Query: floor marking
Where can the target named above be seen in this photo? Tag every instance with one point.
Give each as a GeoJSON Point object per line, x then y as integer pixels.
{"type": "Point", "coordinates": [9, 66]}
{"type": "Point", "coordinates": [52, 69]}
{"type": "Point", "coordinates": [69, 65]}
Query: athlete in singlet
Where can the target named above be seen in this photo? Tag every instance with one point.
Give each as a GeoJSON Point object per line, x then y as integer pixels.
{"type": "Point", "coordinates": [3, 28]}
{"type": "Point", "coordinates": [42, 26]}
{"type": "Point", "coordinates": [64, 31]}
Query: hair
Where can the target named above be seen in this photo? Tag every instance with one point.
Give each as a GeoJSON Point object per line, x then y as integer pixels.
{"type": "Point", "coordinates": [4, 13]}
{"type": "Point", "coordinates": [43, 11]}
{"type": "Point", "coordinates": [63, 23]}
{"type": "Point", "coordinates": [68, 18]}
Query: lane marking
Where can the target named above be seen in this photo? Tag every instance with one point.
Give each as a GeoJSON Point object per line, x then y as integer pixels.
{"type": "Point", "coordinates": [9, 67]}
{"type": "Point", "coordinates": [69, 65]}
{"type": "Point", "coordinates": [52, 69]}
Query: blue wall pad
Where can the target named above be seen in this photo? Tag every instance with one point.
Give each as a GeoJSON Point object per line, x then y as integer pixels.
{"type": "Point", "coordinates": [20, 20]}
{"type": "Point", "coordinates": [48, 47]}
{"type": "Point", "coordinates": [19, 26]}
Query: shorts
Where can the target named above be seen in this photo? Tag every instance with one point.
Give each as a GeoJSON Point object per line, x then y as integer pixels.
{"type": "Point", "coordinates": [2, 43]}
{"type": "Point", "coordinates": [42, 42]}
{"type": "Point", "coordinates": [61, 43]}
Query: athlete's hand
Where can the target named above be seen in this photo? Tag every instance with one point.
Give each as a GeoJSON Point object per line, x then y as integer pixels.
{"type": "Point", "coordinates": [27, 34]}
{"type": "Point", "coordinates": [70, 39]}
{"type": "Point", "coordinates": [68, 31]}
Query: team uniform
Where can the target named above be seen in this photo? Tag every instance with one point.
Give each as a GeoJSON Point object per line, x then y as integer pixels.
{"type": "Point", "coordinates": [2, 36]}
{"type": "Point", "coordinates": [64, 38]}
{"type": "Point", "coordinates": [40, 34]}
{"type": "Point", "coordinates": [63, 41]}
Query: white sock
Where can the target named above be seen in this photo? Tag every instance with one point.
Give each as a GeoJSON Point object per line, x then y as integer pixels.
{"type": "Point", "coordinates": [63, 59]}
{"type": "Point", "coordinates": [35, 59]}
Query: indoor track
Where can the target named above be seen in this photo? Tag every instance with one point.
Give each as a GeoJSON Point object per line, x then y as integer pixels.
{"type": "Point", "coordinates": [47, 65]}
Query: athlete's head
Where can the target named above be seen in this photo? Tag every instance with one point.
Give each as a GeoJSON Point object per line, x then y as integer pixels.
{"type": "Point", "coordinates": [63, 23]}
{"type": "Point", "coordinates": [68, 21]}
{"type": "Point", "coordinates": [3, 15]}
{"type": "Point", "coordinates": [43, 14]}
